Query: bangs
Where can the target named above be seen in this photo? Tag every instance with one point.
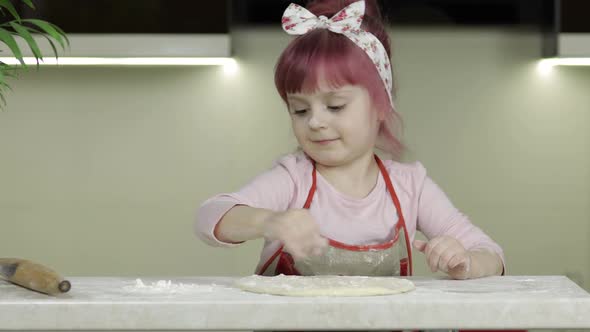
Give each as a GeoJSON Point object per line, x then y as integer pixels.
{"type": "Point", "coordinates": [322, 57]}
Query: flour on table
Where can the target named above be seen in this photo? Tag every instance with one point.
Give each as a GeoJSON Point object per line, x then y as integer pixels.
{"type": "Point", "coordinates": [167, 286]}
{"type": "Point", "coordinates": [324, 285]}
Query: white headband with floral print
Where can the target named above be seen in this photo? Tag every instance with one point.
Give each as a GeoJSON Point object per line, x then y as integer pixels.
{"type": "Point", "coordinates": [299, 21]}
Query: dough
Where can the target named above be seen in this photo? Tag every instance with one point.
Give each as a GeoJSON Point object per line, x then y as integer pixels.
{"type": "Point", "coordinates": [324, 285]}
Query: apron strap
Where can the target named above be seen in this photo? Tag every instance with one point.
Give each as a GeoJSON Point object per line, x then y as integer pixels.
{"type": "Point", "coordinates": [312, 189]}
{"type": "Point", "coordinates": [398, 208]}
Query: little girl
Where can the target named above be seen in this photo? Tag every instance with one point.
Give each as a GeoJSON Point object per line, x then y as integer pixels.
{"type": "Point", "coordinates": [334, 207]}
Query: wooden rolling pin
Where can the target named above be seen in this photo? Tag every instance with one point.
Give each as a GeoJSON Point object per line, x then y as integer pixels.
{"type": "Point", "coordinates": [33, 276]}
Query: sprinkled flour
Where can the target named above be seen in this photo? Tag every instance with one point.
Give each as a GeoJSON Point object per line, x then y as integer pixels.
{"type": "Point", "coordinates": [167, 286]}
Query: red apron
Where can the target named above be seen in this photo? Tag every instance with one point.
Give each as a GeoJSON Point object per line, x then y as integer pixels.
{"type": "Point", "coordinates": [391, 258]}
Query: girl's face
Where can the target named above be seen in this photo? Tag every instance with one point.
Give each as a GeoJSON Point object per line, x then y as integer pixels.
{"type": "Point", "coordinates": [334, 126]}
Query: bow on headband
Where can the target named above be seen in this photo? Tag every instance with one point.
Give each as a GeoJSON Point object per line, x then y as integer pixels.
{"type": "Point", "coordinates": [299, 21]}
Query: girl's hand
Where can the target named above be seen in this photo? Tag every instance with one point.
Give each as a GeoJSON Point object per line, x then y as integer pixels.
{"type": "Point", "coordinates": [446, 254]}
{"type": "Point", "coordinates": [297, 230]}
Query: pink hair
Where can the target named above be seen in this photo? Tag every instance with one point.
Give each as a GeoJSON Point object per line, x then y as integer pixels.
{"type": "Point", "coordinates": [322, 54]}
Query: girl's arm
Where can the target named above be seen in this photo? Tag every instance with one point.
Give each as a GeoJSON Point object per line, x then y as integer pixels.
{"type": "Point", "coordinates": [237, 216]}
{"type": "Point", "coordinates": [242, 223]}
{"type": "Point", "coordinates": [296, 229]}
{"type": "Point", "coordinates": [261, 209]}
{"type": "Point", "coordinates": [439, 219]}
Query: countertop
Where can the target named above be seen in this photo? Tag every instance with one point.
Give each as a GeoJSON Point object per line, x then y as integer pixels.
{"type": "Point", "coordinates": [211, 303]}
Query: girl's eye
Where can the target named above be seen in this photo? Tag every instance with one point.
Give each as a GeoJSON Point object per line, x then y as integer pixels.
{"type": "Point", "coordinates": [336, 108]}
{"type": "Point", "coordinates": [299, 112]}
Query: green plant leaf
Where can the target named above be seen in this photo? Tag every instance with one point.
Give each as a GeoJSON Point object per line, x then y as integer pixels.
{"type": "Point", "coordinates": [29, 3]}
{"type": "Point", "coordinates": [52, 45]}
{"type": "Point", "coordinates": [46, 36]}
{"type": "Point", "coordinates": [7, 69]}
{"type": "Point", "coordinates": [16, 27]}
{"type": "Point", "coordinates": [3, 100]}
{"type": "Point", "coordinates": [6, 38]}
{"type": "Point", "coordinates": [26, 35]}
{"type": "Point", "coordinates": [61, 32]}
{"type": "Point", "coordinates": [8, 5]}
{"type": "Point", "coordinates": [51, 29]}
{"type": "Point", "coordinates": [3, 84]}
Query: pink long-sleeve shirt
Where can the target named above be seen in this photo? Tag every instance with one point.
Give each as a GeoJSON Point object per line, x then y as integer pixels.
{"type": "Point", "coordinates": [354, 221]}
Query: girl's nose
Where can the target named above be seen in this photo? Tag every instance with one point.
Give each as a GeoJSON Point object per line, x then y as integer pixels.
{"type": "Point", "coordinates": [316, 121]}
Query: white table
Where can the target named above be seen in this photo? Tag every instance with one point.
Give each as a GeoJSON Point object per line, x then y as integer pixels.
{"type": "Point", "coordinates": [212, 304]}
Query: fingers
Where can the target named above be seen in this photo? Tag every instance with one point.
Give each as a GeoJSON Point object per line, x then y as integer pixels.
{"type": "Point", "coordinates": [420, 245]}
{"type": "Point", "coordinates": [317, 247]}
{"type": "Point", "coordinates": [460, 266]}
{"type": "Point", "coordinates": [303, 248]}
{"type": "Point", "coordinates": [457, 260]}
{"type": "Point", "coordinates": [299, 233]}
{"type": "Point", "coordinates": [434, 250]}
{"type": "Point", "coordinates": [295, 252]}
{"type": "Point", "coordinates": [445, 254]}
{"type": "Point", "coordinates": [317, 251]}
{"type": "Point", "coordinates": [428, 248]}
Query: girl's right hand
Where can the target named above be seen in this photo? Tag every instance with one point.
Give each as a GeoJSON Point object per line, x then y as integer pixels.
{"type": "Point", "coordinates": [297, 230]}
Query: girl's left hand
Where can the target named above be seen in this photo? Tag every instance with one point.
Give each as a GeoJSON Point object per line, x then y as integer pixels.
{"type": "Point", "coordinates": [446, 254]}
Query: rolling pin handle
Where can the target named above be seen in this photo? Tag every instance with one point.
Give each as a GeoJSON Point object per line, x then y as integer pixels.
{"type": "Point", "coordinates": [64, 286]}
